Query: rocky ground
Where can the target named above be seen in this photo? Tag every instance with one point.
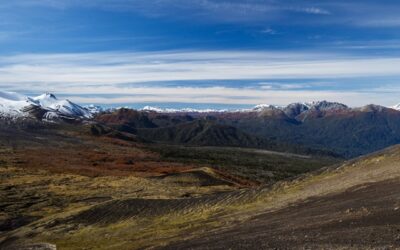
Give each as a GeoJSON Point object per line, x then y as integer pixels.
{"type": "Point", "coordinates": [72, 190]}
{"type": "Point", "coordinates": [362, 217]}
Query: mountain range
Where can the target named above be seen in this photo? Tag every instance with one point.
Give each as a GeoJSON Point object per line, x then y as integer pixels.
{"type": "Point", "coordinates": [324, 127]}
{"type": "Point", "coordinates": [45, 107]}
{"type": "Point", "coordinates": [270, 177]}
{"type": "Point", "coordinates": [299, 127]}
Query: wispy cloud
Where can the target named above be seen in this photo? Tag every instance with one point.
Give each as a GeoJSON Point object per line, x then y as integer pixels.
{"type": "Point", "coordinates": [368, 13]}
{"type": "Point", "coordinates": [230, 96]}
{"type": "Point", "coordinates": [217, 10]}
{"type": "Point", "coordinates": [98, 74]}
{"type": "Point", "coordinates": [120, 67]}
{"type": "Point", "coordinates": [311, 10]}
{"type": "Point", "coordinates": [268, 31]}
{"type": "Point", "coordinates": [285, 86]}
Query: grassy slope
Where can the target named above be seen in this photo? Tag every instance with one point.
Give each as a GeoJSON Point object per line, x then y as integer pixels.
{"type": "Point", "coordinates": [253, 164]}
{"type": "Point", "coordinates": [50, 173]}
{"type": "Point", "coordinates": [122, 224]}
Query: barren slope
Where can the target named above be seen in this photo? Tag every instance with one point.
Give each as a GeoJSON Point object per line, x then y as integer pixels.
{"type": "Point", "coordinates": [308, 211]}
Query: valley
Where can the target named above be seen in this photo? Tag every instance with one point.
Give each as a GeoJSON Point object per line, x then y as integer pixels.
{"type": "Point", "coordinates": [120, 208]}
{"type": "Point", "coordinates": [199, 125]}
{"type": "Point", "coordinates": [129, 179]}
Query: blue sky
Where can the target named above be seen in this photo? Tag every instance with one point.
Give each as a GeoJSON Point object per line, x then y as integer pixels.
{"type": "Point", "coordinates": [202, 53]}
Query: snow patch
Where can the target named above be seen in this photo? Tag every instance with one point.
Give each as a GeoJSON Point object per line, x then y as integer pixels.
{"type": "Point", "coordinates": [396, 107]}
{"type": "Point", "coordinates": [13, 105]}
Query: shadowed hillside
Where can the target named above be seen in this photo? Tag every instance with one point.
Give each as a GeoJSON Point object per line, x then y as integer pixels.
{"type": "Point", "coordinates": [342, 199]}
{"type": "Point", "coordinates": [203, 133]}
{"type": "Point", "coordinates": [348, 132]}
{"type": "Point", "coordinates": [203, 130]}
{"type": "Point", "coordinates": [323, 128]}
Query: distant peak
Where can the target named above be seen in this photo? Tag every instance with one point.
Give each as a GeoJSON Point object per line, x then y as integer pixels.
{"type": "Point", "coordinates": [326, 105]}
{"type": "Point", "coordinates": [396, 107]}
{"type": "Point", "coordinates": [15, 105]}
{"type": "Point", "coordinates": [260, 107]}
{"type": "Point", "coordinates": [45, 96]}
{"type": "Point", "coordinates": [372, 108]}
{"type": "Point", "coordinates": [50, 95]}
{"type": "Point", "coordinates": [151, 108]}
{"type": "Point", "coordinates": [183, 110]}
{"type": "Point", "coordinates": [295, 109]}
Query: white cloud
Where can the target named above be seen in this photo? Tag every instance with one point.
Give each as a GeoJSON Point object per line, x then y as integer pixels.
{"type": "Point", "coordinates": [99, 74]}
{"type": "Point", "coordinates": [369, 13]}
{"type": "Point", "coordinates": [112, 68]}
{"type": "Point", "coordinates": [204, 10]}
{"type": "Point", "coordinates": [312, 10]}
{"type": "Point", "coordinates": [282, 86]}
{"type": "Point", "coordinates": [268, 31]}
{"type": "Point", "coordinates": [233, 96]}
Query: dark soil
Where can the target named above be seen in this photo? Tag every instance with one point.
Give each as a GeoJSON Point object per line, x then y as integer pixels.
{"type": "Point", "coordinates": [363, 217]}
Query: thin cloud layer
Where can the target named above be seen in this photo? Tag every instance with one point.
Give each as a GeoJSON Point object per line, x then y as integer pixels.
{"type": "Point", "coordinates": [139, 74]}
{"type": "Point", "coordinates": [119, 67]}
{"type": "Point", "coordinates": [356, 12]}
{"type": "Point", "coordinates": [219, 51]}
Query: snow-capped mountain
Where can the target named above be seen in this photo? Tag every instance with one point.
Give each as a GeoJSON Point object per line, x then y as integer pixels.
{"type": "Point", "coordinates": [396, 107]}
{"type": "Point", "coordinates": [326, 106]}
{"type": "Point", "coordinates": [263, 107]}
{"type": "Point", "coordinates": [294, 109]}
{"type": "Point", "coordinates": [48, 107]}
{"type": "Point", "coordinates": [11, 104]}
{"type": "Point", "coordinates": [94, 109]}
{"type": "Point", "coordinates": [371, 108]}
{"type": "Point", "coordinates": [291, 110]}
{"type": "Point", "coordinates": [184, 110]}
{"type": "Point", "coordinates": [44, 107]}
{"type": "Point", "coordinates": [257, 108]}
